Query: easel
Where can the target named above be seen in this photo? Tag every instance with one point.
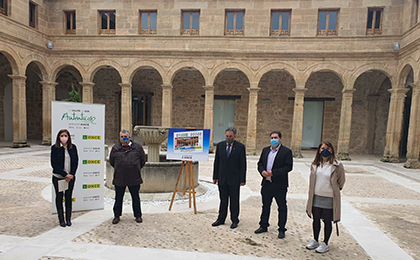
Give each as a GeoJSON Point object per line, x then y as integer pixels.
{"type": "Point", "coordinates": [191, 190]}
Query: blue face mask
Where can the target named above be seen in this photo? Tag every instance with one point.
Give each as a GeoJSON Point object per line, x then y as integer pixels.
{"type": "Point", "coordinates": [274, 142]}
{"type": "Point", "coordinates": [325, 153]}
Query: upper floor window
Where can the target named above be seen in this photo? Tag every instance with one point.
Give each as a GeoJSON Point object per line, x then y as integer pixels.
{"type": "Point", "coordinates": [234, 22]}
{"type": "Point", "coordinates": [374, 22]}
{"type": "Point", "coordinates": [33, 15]}
{"type": "Point", "coordinates": [3, 7]}
{"type": "Point", "coordinates": [107, 22]}
{"type": "Point", "coordinates": [327, 22]}
{"type": "Point", "coordinates": [416, 15]}
{"type": "Point", "coordinates": [190, 22]}
{"type": "Point", "coordinates": [70, 17]}
{"type": "Point", "coordinates": [148, 22]}
{"type": "Point", "coordinates": [280, 22]}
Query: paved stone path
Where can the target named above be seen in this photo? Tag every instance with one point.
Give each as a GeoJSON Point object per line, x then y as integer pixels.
{"type": "Point", "coordinates": [380, 218]}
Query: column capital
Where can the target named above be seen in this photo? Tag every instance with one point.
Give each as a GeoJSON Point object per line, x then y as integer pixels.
{"type": "Point", "coordinates": [167, 86]}
{"type": "Point", "coordinates": [17, 77]}
{"type": "Point", "coordinates": [48, 83]}
{"type": "Point", "coordinates": [208, 87]}
{"type": "Point", "coordinates": [87, 84]}
{"type": "Point", "coordinates": [398, 91]}
{"type": "Point", "coordinates": [254, 89]}
{"type": "Point", "coordinates": [125, 85]}
{"type": "Point", "coordinates": [299, 90]}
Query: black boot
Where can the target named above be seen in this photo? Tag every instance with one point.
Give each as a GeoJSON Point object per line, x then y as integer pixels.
{"type": "Point", "coordinates": [68, 216]}
{"type": "Point", "coordinates": [60, 214]}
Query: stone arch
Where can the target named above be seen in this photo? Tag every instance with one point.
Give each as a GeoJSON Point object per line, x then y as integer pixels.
{"type": "Point", "coordinates": [136, 66]}
{"type": "Point", "coordinates": [338, 70]}
{"type": "Point", "coordinates": [366, 67]}
{"type": "Point", "coordinates": [188, 64]}
{"type": "Point", "coordinates": [232, 65]}
{"type": "Point", "coordinates": [403, 73]}
{"type": "Point", "coordinates": [44, 74]}
{"type": "Point", "coordinates": [276, 66]}
{"type": "Point", "coordinates": [96, 66]}
{"type": "Point", "coordinates": [62, 64]}
{"type": "Point", "coordinates": [11, 57]}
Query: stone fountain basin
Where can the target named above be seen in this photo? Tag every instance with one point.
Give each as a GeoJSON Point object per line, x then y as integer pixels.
{"type": "Point", "coordinates": [158, 177]}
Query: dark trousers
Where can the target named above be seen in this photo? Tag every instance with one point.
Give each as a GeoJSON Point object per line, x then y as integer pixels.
{"type": "Point", "coordinates": [229, 194]}
{"type": "Point", "coordinates": [268, 192]}
{"type": "Point", "coordinates": [119, 196]}
{"type": "Point", "coordinates": [59, 198]}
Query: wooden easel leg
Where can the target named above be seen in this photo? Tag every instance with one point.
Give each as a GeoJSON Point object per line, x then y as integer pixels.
{"type": "Point", "coordinates": [189, 182]}
{"type": "Point", "coordinates": [193, 188]}
{"type": "Point", "coordinates": [176, 186]}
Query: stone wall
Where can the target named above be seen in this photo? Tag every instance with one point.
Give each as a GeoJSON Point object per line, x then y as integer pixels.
{"type": "Point", "coordinates": [149, 81]}
{"type": "Point", "coordinates": [327, 85]}
{"type": "Point", "coordinates": [382, 117]}
{"type": "Point", "coordinates": [2, 87]}
{"type": "Point", "coordinates": [235, 83]}
{"type": "Point", "coordinates": [33, 107]}
{"type": "Point", "coordinates": [107, 91]}
{"type": "Point", "coordinates": [187, 100]}
{"type": "Point", "coordinates": [275, 111]}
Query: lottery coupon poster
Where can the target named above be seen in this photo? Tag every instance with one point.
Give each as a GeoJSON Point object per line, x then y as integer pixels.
{"type": "Point", "coordinates": [86, 124]}
{"type": "Point", "coordinates": [188, 145]}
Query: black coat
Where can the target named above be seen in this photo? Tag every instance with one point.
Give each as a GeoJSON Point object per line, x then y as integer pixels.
{"type": "Point", "coordinates": [230, 171]}
{"type": "Point", "coordinates": [57, 160]}
{"type": "Point", "coordinates": [283, 164]}
{"type": "Point", "coordinates": [127, 164]}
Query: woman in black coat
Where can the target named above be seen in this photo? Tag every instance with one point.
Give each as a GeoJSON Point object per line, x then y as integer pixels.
{"type": "Point", "coordinates": [64, 161]}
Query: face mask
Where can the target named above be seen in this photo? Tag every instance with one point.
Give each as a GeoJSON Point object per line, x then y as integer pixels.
{"type": "Point", "coordinates": [229, 140]}
{"type": "Point", "coordinates": [274, 142]}
{"type": "Point", "coordinates": [125, 140]}
{"type": "Point", "coordinates": [326, 153]}
{"type": "Point", "coordinates": [64, 139]}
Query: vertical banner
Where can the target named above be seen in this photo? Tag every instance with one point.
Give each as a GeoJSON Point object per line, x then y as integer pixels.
{"type": "Point", "coordinates": [86, 124]}
{"type": "Point", "coordinates": [188, 145]}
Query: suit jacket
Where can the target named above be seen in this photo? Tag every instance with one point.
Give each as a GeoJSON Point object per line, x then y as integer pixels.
{"type": "Point", "coordinates": [283, 164]}
{"type": "Point", "coordinates": [57, 160]}
{"type": "Point", "coordinates": [230, 171]}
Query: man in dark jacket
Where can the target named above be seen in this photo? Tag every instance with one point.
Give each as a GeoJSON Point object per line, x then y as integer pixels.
{"type": "Point", "coordinates": [230, 173]}
{"type": "Point", "coordinates": [127, 158]}
{"type": "Point", "coordinates": [275, 163]}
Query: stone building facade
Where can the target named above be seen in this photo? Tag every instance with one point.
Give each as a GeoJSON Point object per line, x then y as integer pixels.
{"type": "Point", "coordinates": [346, 71]}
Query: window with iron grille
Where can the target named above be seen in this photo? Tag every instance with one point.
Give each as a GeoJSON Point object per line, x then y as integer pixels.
{"type": "Point", "coordinates": [190, 22]}
{"type": "Point", "coordinates": [280, 22]}
{"type": "Point", "coordinates": [374, 21]}
{"type": "Point", "coordinates": [234, 22]}
{"type": "Point", "coordinates": [327, 22]}
{"type": "Point", "coordinates": [70, 21]}
{"type": "Point", "coordinates": [107, 22]}
{"type": "Point", "coordinates": [148, 22]}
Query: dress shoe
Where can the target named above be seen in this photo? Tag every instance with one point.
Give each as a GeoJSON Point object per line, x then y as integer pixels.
{"type": "Point", "coordinates": [281, 235]}
{"type": "Point", "coordinates": [217, 223]}
{"type": "Point", "coordinates": [68, 222]}
{"type": "Point", "coordinates": [63, 224]}
{"type": "Point", "coordinates": [234, 225]}
{"type": "Point", "coordinates": [139, 220]}
{"type": "Point", "coordinates": [260, 230]}
{"type": "Point", "coordinates": [116, 220]}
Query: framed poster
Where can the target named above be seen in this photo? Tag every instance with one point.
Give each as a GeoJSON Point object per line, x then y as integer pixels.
{"type": "Point", "coordinates": [188, 144]}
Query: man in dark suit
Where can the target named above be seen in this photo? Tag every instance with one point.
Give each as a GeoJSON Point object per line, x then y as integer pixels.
{"type": "Point", "coordinates": [230, 173]}
{"type": "Point", "coordinates": [275, 163]}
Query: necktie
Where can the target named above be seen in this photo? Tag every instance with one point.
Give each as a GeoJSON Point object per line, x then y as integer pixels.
{"type": "Point", "coordinates": [228, 151]}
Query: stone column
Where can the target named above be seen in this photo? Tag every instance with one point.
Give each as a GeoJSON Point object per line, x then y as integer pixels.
{"type": "Point", "coordinates": [126, 103]}
{"type": "Point", "coordinates": [296, 142]}
{"type": "Point", "coordinates": [370, 122]}
{"type": "Point", "coordinates": [19, 111]}
{"type": "Point", "coordinates": [167, 105]}
{"type": "Point", "coordinates": [48, 95]}
{"type": "Point", "coordinates": [345, 125]}
{"type": "Point", "coordinates": [394, 127]}
{"type": "Point", "coordinates": [251, 135]}
{"type": "Point", "coordinates": [87, 91]}
{"type": "Point", "coordinates": [208, 112]}
{"type": "Point", "coordinates": [413, 144]}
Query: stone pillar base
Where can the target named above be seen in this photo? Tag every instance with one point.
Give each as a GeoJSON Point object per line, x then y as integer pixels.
{"type": "Point", "coordinates": [387, 158]}
{"type": "Point", "coordinates": [250, 152]}
{"type": "Point", "coordinates": [344, 157]}
{"type": "Point", "coordinates": [46, 142]}
{"type": "Point", "coordinates": [297, 153]}
{"type": "Point", "coordinates": [20, 145]}
{"type": "Point", "coordinates": [412, 163]}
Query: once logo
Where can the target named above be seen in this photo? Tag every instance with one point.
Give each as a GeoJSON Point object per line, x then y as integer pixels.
{"type": "Point", "coordinates": [91, 186]}
{"type": "Point", "coordinates": [91, 137]}
{"type": "Point", "coordinates": [91, 161]}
